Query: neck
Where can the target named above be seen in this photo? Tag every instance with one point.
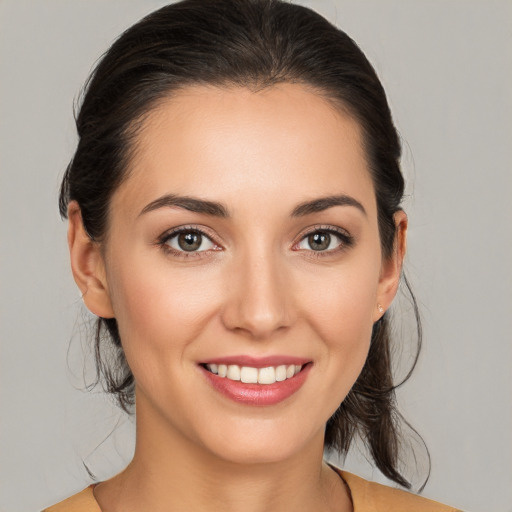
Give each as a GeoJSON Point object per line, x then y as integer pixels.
{"type": "Point", "coordinates": [171, 472]}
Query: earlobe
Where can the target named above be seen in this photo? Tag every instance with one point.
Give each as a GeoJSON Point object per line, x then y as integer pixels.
{"type": "Point", "coordinates": [87, 265]}
{"type": "Point", "coordinates": [392, 267]}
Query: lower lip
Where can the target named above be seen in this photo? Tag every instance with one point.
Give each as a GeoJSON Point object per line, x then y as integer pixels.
{"type": "Point", "coordinates": [258, 394]}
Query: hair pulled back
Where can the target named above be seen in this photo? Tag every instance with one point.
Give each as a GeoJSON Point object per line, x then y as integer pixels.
{"type": "Point", "coordinates": [254, 44]}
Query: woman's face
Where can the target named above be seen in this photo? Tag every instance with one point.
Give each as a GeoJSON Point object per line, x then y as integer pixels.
{"type": "Point", "coordinates": [245, 240]}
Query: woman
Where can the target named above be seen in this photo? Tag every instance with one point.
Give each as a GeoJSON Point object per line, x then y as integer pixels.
{"type": "Point", "coordinates": [235, 224]}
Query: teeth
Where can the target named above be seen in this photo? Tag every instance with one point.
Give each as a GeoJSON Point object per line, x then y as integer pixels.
{"type": "Point", "coordinates": [266, 375]}
{"type": "Point", "coordinates": [281, 373]}
{"type": "Point", "coordinates": [233, 372]}
{"type": "Point", "coordinates": [250, 375]}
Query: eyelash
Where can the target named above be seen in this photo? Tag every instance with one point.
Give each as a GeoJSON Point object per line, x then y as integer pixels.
{"type": "Point", "coordinates": [163, 242]}
{"type": "Point", "coordinates": [346, 241]}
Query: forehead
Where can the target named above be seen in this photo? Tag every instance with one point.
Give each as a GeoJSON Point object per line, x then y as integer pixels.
{"type": "Point", "coordinates": [286, 141]}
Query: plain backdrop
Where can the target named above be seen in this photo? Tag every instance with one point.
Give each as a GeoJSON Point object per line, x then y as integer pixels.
{"type": "Point", "coordinates": [447, 69]}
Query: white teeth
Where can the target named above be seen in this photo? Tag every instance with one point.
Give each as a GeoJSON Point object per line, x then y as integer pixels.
{"type": "Point", "coordinates": [222, 370]}
{"type": "Point", "coordinates": [267, 375]}
{"type": "Point", "coordinates": [281, 373]}
{"type": "Point", "coordinates": [233, 372]}
{"type": "Point", "coordinates": [250, 375]}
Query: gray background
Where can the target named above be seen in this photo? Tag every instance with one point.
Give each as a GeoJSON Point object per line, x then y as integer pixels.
{"type": "Point", "coordinates": [446, 66]}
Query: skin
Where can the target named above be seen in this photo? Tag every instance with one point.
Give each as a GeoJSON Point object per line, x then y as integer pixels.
{"type": "Point", "coordinates": [257, 289]}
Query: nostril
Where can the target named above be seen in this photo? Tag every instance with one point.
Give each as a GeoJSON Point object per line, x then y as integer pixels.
{"type": "Point", "coordinates": [258, 301]}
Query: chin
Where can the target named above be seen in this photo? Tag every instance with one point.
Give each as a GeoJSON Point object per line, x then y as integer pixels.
{"type": "Point", "coordinates": [261, 444]}
{"type": "Point", "coordinates": [254, 453]}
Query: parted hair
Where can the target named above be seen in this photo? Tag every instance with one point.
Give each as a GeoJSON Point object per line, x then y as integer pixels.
{"type": "Point", "coordinates": [254, 44]}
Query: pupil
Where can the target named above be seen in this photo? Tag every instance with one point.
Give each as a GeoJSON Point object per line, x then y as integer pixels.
{"type": "Point", "coordinates": [319, 241]}
{"type": "Point", "coordinates": [189, 241]}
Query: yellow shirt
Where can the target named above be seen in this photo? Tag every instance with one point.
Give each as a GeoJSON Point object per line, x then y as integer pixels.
{"type": "Point", "coordinates": [366, 497]}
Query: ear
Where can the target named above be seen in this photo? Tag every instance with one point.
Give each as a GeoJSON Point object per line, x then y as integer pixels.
{"type": "Point", "coordinates": [87, 265]}
{"type": "Point", "coordinates": [391, 269]}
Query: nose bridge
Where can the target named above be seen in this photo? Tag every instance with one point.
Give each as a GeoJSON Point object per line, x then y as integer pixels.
{"type": "Point", "coordinates": [258, 302]}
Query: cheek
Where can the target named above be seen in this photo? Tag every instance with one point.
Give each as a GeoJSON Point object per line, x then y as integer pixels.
{"type": "Point", "coordinates": [160, 311]}
{"type": "Point", "coordinates": [340, 308]}
{"type": "Point", "coordinates": [347, 334]}
{"type": "Point", "coordinates": [341, 304]}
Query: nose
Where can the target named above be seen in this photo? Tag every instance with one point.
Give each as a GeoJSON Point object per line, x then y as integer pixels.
{"type": "Point", "coordinates": [259, 300]}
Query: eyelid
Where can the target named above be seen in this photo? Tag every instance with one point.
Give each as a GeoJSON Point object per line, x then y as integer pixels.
{"type": "Point", "coordinates": [202, 230]}
{"type": "Point", "coordinates": [346, 239]}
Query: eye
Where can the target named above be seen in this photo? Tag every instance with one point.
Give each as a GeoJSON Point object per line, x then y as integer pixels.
{"type": "Point", "coordinates": [190, 240]}
{"type": "Point", "coordinates": [325, 240]}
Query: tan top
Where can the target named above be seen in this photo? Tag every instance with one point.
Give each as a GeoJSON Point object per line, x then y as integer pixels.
{"type": "Point", "coordinates": [366, 497]}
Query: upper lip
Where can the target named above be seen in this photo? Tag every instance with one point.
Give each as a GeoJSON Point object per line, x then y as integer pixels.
{"type": "Point", "coordinates": [258, 362]}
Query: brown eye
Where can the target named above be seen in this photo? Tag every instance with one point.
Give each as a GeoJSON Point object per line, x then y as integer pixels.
{"type": "Point", "coordinates": [319, 241]}
{"type": "Point", "coordinates": [326, 240]}
{"type": "Point", "coordinates": [190, 241]}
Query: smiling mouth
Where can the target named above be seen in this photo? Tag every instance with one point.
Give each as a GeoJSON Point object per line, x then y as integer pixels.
{"type": "Point", "coordinates": [256, 381]}
{"type": "Point", "coordinates": [251, 375]}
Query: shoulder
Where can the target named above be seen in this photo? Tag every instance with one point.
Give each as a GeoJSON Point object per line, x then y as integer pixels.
{"type": "Point", "coordinates": [373, 497]}
{"type": "Point", "coordinates": [82, 502]}
{"type": "Point", "coordinates": [366, 496]}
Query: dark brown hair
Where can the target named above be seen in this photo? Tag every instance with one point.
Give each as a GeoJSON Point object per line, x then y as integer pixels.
{"type": "Point", "coordinates": [254, 44]}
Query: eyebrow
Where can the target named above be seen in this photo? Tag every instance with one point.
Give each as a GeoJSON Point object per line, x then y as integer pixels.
{"type": "Point", "coordinates": [216, 209]}
{"type": "Point", "coordinates": [323, 203]}
{"type": "Point", "coordinates": [188, 203]}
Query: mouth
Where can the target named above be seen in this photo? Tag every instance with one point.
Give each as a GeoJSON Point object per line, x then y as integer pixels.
{"type": "Point", "coordinates": [253, 382]}
{"type": "Point", "coordinates": [252, 375]}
